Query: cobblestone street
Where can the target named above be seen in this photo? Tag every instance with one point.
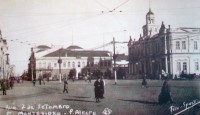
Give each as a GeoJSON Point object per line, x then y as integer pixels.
{"type": "Point", "coordinates": [125, 98]}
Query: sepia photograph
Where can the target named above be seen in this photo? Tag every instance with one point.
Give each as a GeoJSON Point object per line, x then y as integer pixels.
{"type": "Point", "coordinates": [99, 57]}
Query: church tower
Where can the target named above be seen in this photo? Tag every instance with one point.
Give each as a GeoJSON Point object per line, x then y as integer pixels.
{"type": "Point", "coordinates": [150, 28]}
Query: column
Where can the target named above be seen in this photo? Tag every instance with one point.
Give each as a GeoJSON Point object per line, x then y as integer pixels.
{"type": "Point", "coordinates": [166, 64]}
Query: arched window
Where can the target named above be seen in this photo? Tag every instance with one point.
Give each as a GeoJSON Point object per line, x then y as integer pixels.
{"type": "Point", "coordinates": [69, 64]}
{"type": "Point", "coordinates": [79, 64]}
{"type": "Point", "coordinates": [55, 64]}
{"type": "Point", "coordinates": [49, 65]}
{"type": "Point", "coordinates": [44, 65]}
{"type": "Point", "coordinates": [73, 64]}
{"type": "Point", "coordinates": [64, 64]}
{"type": "Point", "coordinates": [40, 64]}
{"type": "Point", "coordinates": [83, 64]}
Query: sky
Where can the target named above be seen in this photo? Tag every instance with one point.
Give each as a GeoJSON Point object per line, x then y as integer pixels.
{"type": "Point", "coordinates": [86, 23]}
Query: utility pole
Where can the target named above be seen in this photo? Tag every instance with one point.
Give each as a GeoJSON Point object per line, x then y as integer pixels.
{"type": "Point", "coordinates": [32, 61]}
{"type": "Point", "coordinates": [59, 62]}
{"type": "Point", "coordinates": [114, 58]}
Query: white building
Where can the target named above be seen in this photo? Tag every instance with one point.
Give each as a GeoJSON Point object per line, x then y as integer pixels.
{"type": "Point", "coordinates": [185, 51]}
{"type": "Point", "coordinates": [168, 50]}
{"type": "Point", "coordinates": [4, 59]}
{"type": "Point", "coordinates": [73, 57]}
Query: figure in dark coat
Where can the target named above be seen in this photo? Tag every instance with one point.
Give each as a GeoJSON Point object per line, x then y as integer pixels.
{"type": "Point", "coordinates": [165, 95]}
{"type": "Point", "coordinates": [3, 87]}
{"type": "Point", "coordinates": [11, 83]}
{"type": "Point", "coordinates": [34, 81]}
{"type": "Point", "coordinates": [97, 89]}
{"type": "Point", "coordinates": [144, 82]}
{"type": "Point", "coordinates": [65, 86]}
{"type": "Point", "coordinates": [102, 87]}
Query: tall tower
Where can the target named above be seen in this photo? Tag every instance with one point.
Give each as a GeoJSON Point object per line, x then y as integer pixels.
{"type": "Point", "coordinates": [150, 28]}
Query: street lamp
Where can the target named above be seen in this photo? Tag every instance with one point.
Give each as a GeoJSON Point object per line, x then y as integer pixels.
{"type": "Point", "coordinates": [153, 61]}
{"type": "Point", "coordinates": [136, 68]}
{"type": "Point", "coordinates": [32, 60]}
{"type": "Point", "coordinates": [114, 58]}
{"type": "Point", "coordinates": [59, 62]}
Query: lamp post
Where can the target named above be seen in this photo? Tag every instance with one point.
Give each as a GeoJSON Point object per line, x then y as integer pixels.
{"type": "Point", "coordinates": [59, 62]}
{"type": "Point", "coordinates": [153, 61]}
{"type": "Point", "coordinates": [114, 58]}
{"type": "Point", "coordinates": [136, 69]}
{"type": "Point", "coordinates": [32, 61]}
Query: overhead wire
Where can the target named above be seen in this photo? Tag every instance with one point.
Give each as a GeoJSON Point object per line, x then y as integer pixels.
{"type": "Point", "coordinates": [60, 27]}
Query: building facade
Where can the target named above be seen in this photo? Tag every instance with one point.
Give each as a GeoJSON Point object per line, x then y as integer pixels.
{"type": "Point", "coordinates": [164, 50]}
{"type": "Point", "coordinates": [5, 68]}
{"type": "Point", "coordinates": [73, 57]}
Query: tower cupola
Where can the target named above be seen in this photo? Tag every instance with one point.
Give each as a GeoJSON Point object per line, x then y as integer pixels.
{"type": "Point", "coordinates": [150, 17]}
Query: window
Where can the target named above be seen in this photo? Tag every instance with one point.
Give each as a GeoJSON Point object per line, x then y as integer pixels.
{"type": "Point", "coordinates": [64, 64]}
{"type": "Point", "coordinates": [195, 45]}
{"type": "Point", "coordinates": [44, 65]}
{"type": "Point", "coordinates": [178, 66]}
{"type": "Point", "coordinates": [79, 64]}
{"type": "Point", "coordinates": [49, 65]}
{"type": "Point", "coordinates": [83, 64]}
{"type": "Point", "coordinates": [177, 45]}
{"type": "Point", "coordinates": [69, 65]}
{"type": "Point", "coordinates": [184, 67]}
{"type": "Point", "coordinates": [55, 64]}
{"type": "Point", "coordinates": [105, 63]}
{"type": "Point", "coordinates": [73, 64]}
{"type": "Point", "coordinates": [196, 66]}
{"type": "Point", "coordinates": [88, 64]}
{"type": "Point", "coordinates": [40, 65]}
{"type": "Point", "coordinates": [183, 45]}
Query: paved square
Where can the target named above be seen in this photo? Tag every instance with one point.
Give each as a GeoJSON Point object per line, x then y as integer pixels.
{"type": "Point", "coordinates": [125, 98]}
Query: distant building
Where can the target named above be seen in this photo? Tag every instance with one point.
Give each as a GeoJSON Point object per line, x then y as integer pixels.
{"type": "Point", "coordinates": [121, 66]}
{"type": "Point", "coordinates": [164, 50]}
{"type": "Point", "coordinates": [5, 68]}
{"type": "Point", "coordinates": [73, 57]}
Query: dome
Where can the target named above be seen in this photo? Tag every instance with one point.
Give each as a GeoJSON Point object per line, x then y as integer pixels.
{"type": "Point", "coordinates": [73, 47]}
{"type": "Point", "coordinates": [150, 12]}
{"type": "Point", "coordinates": [43, 47]}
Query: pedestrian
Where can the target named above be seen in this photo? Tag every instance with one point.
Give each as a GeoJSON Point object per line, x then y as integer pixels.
{"type": "Point", "coordinates": [11, 83]}
{"type": "Point", "coordinates": [144, 82]}
{"type": "Point", "coordinates": [65, 86]}
{"type": "Point", "coordinates": [165, 95]}
{"type": "Point", "coordinates": [97, 89]}
{"type": "Point", "coordinates": [34, 81]}
{"type": "Point", "coordinates": [3, 86]}
{"type": "Point", "coordinates": [40, 80]}
{"type": "Point", "coordinates": [43, 81]}
{"type": "Point", "coordinates": [89, 77]}
{"type": "Point", "coordinates": [17, 79]}
{"type": "Point", "coordinates": [102, 84]}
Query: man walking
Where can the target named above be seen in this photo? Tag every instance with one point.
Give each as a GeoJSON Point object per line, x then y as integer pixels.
{"type": "Point", "coordinates": [3, 86]}
{"type": "Point", "coordinates": [65, 86]}
{"type": "Point", "coordinates": [102, 84]}
{"type": "Point", "coordinates": [97, 89]}
{"type": "Point", "coordinates": [34, 82]}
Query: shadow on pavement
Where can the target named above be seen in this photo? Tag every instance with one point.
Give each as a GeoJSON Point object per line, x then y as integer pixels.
{"type": "Point", "coordinates": [141, 101]}
{"type": "Point", "coordinates": [79, 97]}
{"type": "Point", "coordinates": [78, 100]}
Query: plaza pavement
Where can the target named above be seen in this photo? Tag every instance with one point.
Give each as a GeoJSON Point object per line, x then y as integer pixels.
{"type": "Point", "coordinates": [125, 98]}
